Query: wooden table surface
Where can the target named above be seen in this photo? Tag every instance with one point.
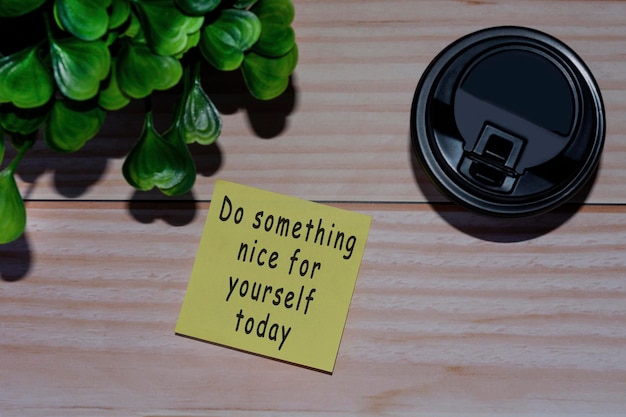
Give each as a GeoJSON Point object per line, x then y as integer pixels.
{"type": "Point", "coordinates": [453, 314]}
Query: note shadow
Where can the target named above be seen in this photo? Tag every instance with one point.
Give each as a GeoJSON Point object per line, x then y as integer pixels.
{"type": "Point", "coordinates": [495, 229]}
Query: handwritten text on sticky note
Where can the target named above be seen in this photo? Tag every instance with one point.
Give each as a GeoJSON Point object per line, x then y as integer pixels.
{"type": "Point", "coordinates": [274, 275]}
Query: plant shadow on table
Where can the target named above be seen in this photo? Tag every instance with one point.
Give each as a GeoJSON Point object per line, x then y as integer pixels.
{"type": "Point", "coordinates": [227, 90]}
{"type": "Point", "coordinates": [75, 173]}
{"type": "Point", "coordinates": [268, 119]}
{"type": "Point", "coordinates": [501, 230]}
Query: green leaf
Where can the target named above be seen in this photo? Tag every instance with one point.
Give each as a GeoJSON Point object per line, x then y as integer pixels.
{"type": "Point", "coordinates": [119, 12]}
{"type": "Point", "coordinates": [14, 8]}
{"type": "Point", "coordinates": [12, 210]}
{"type": "Point", "coordinates": [165, 27]}
{"type": "Point", "coordinates": [111, 37]}
{"type": "Point", "coordinates": [140, 71]}
{"type": "Point", "coordinates": [192, 41]}
{"type": "Point", "coordinates": [24, 80]}
{"type": "Point", "coordinates": [196, 7]}
{"type": "Point", "coordinates": [86, 19]}
{"type": "Point", "coordinates": [2, 144]}
{"type": "Point", "coordinates": [243, 4]}
{"type": "Point", "coordinates": [173, 137]}
{"type": "Point", "coordinates": [225, 40]}
{"type": "Point", "coordinates": [79, 66]}
{"type": "Point", "coordinates": [111, 96]}
{"type": "Point", "coordinates": [134, 26]}
{"type": "Point", "coordinates": [153, 162]}
{"type": "Point", "coordinates": [198, 119]}
{"type": "Point", "coordinates": [22, 143]}
{"type": "Point", "coordinates": [71, 124]}
{"type": "Point", "coordinates": [23, 121]}
{"type": "Point", "coordinates": [277, 37]}
{"type": "Point", "coordinates": [267, 78]}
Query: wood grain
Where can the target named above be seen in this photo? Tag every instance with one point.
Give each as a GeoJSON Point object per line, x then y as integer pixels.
{"type": "Point", "coordinates": [453, 314]}
{"type": "Point", "coordinates": [504, 319]}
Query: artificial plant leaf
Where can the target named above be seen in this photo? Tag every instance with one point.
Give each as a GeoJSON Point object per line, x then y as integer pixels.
{"type": "Point", "coordinates": [192, 41]}
{"type": "Point", "coordinates": [243, 4]}
{"type": "Point", "coordinates": [173, 137]}
{"type": "Point", "coordinates": [165, 27]}
{"type": "Point", "coordinates": [22, 142]}
{"type": "Point", "coordinates": [110, 38]}
{"type": "Point", "coordinates": [24, 80]}
{"type": "Point", "coordinates": [111, 96]}
{"type": "Point", "coordinates": [23, 121]}
{"type": "Point", "coordinates": [225, 40]}
{"type": "Point", "coordinates": [119, 12]}
{"type": "Point", "coordinates": [2, 144]}
{"type": "Point", "coordinates": [196, 7]}
{"type": "Point", "coordinates": [86, 19]}
{"type": "Point", "coordinates": [277, 37]}
{"type": "Point", "coordinates": [153, 162]}
{"type": "Point", "coordinates": [70, 125]}
{"type": "Point", "coordinates": [14, 8]}
{"type": "Point", "coordinates": [267, 78]}
{"type": "Point", "coordinates": [134, 26]}
{"type": "Point", "coordinates": [198, 118]}
{"type": "Point", "coordinates": [79, 66]}
{"type": "Point", "coordinates": [140, 71]}
{"type": "Point", "coordinates": [12, 210]}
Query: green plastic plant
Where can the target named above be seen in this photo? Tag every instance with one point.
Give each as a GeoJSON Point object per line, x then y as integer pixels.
{"type": "Point", "coordinates": [84, 58]}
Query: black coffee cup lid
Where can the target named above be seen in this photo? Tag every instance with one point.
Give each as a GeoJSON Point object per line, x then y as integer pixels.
{"type": "Point", "coordinates": [508, 121]}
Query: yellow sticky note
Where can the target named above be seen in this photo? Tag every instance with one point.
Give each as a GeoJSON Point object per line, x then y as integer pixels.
{"type": "Point", "coordinates": [274, 275]}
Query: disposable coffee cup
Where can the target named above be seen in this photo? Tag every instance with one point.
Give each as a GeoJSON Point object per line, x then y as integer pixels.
{"type": "Point", "coordinates": [508, 122]}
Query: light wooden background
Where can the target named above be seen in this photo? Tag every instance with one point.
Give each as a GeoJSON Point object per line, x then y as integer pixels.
{"type": "Point", "coordinates": [453, 314]}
